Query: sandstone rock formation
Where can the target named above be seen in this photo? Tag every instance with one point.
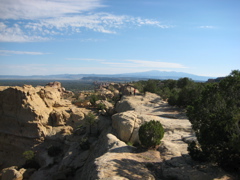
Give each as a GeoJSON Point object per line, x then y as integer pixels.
{"type": "Point", "coordinates": [108, 107]}
{"type": "Point", "coordinates": [39, 119]}
{"type": "Point", "coordinates": [28, 115]}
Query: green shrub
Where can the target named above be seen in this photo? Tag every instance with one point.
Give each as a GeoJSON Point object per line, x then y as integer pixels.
{"type": "Point", "coordinates": [93, 98]}
{"type": "Point", "coordinates": [28, 155]}
{"type": "Point", "coordinates": [129, 143]}
{"type": "Point", "coordinates": [30, 160]}
{"type": "Point", "coordinates": [101, 106]}
{"type": "Point", "coordinates": [151, 133]}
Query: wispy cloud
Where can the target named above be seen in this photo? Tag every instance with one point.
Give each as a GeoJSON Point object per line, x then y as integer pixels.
{"type": "Point", "coordinates": [156, 64]}
{"type": "Point", "coordinates": [207, 27]}
{"type": "Point", "coordinates": [9, 52]}
{"type": "Point", "coordinates": [145, 64]}
{"type": "Point", "coordinates": [84, 59]}
{"type": "Point", "coordinates": [25, 69]}
{"type": "Point", "coordinates": [32, 9]}
{"type": "Point", "coordinates": [27, 21]}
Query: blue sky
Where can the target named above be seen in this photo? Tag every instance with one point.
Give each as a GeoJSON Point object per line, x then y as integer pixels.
{"type": "Point", "coordinates": [44, 37]}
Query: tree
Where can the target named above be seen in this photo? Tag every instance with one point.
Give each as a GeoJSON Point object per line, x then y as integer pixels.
{"type": "Point", "coordinates": [151, 133]}
{"type": "Point", "coordinates": [215, 118]}
{"type": "Point", "coordinates": [90, 120]}
{"type": "Point", "coordinates": [151, 86]}
{"type": "Point", "coordinates": [93, 98]}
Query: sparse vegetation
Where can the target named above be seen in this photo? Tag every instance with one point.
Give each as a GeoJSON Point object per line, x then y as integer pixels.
{"type": "Point", "coordinates": [90, 120]}
{"type": "Point", "coordinates": [151, 133]}
{"type": "Point", "coordinates": [29, 155]}
{"type": "Point", "coordinates": [101, 106]}
{"type": "Point", "coordinates": [129, 143]}
{"type": "Point", "coordinates": [30, 160]}
{"type": "Point", "coordinates": [93, 98]}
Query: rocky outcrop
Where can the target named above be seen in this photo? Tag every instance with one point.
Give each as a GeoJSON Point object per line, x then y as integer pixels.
{"type": "Point", "coordinates": [29, 115]}
{"type": "Point", "coordinates": [175, 163]}
{"type": "Point", "coordinates": [57, 85]}
{"type": "Point", "coordinates": [40, 120]}
{"type": "Point", "coordinates": [107, 108]}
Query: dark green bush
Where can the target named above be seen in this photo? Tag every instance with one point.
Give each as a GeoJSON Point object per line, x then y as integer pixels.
{"type": "Point", "coordinates": [196, 152]}
{"type": "Point", "coordinates": [151, 133]}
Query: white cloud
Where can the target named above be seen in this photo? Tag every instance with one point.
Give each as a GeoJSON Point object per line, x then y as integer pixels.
{"type": "Point", "coordinates": [31, 20]}
{"type": "Point", "coordinates": [32, 9]}
{"type": "Point", "coordinates": [15, 33]}
{"type": "Point", "coordinates": [99, 22]}
{"type": "Point", "coordinates": [8, 52]}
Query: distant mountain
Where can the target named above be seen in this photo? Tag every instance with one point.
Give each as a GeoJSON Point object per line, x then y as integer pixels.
{"type": "Point", "coordinates": [135, 76]}
{"type": "Point", "coordinates": [165, 75]}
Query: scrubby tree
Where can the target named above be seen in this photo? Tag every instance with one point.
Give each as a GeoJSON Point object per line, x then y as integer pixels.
{"type": "Point", "coordinates": [151, 133]}
{"type": "Point", "coordinates": [215, 117]}
{"type": "Point", "coordinates": [151, 86]}
{"type": "Point", "coordinates": [90, 120]}
{"type": "Point", "coordinates": [93, 98]}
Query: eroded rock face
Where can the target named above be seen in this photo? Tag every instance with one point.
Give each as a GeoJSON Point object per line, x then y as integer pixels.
{"type": "Point", "coordinates": [28, 115]}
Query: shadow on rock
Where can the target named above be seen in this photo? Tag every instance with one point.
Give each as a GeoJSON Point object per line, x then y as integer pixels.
{"type": "Point", "coordinates": [177, 168]}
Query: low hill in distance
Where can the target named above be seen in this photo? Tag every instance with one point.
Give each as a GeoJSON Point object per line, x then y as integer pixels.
{"type": "Point", "coordinates": [155, 74]}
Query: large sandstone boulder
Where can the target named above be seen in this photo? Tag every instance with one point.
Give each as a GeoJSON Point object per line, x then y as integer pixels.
{"type": "Point", "coordinates": [125, 104]}
{"type": "Point", "coordinates": [124, 124]}
{"type": "Point", "coordinates": [128, 123]}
